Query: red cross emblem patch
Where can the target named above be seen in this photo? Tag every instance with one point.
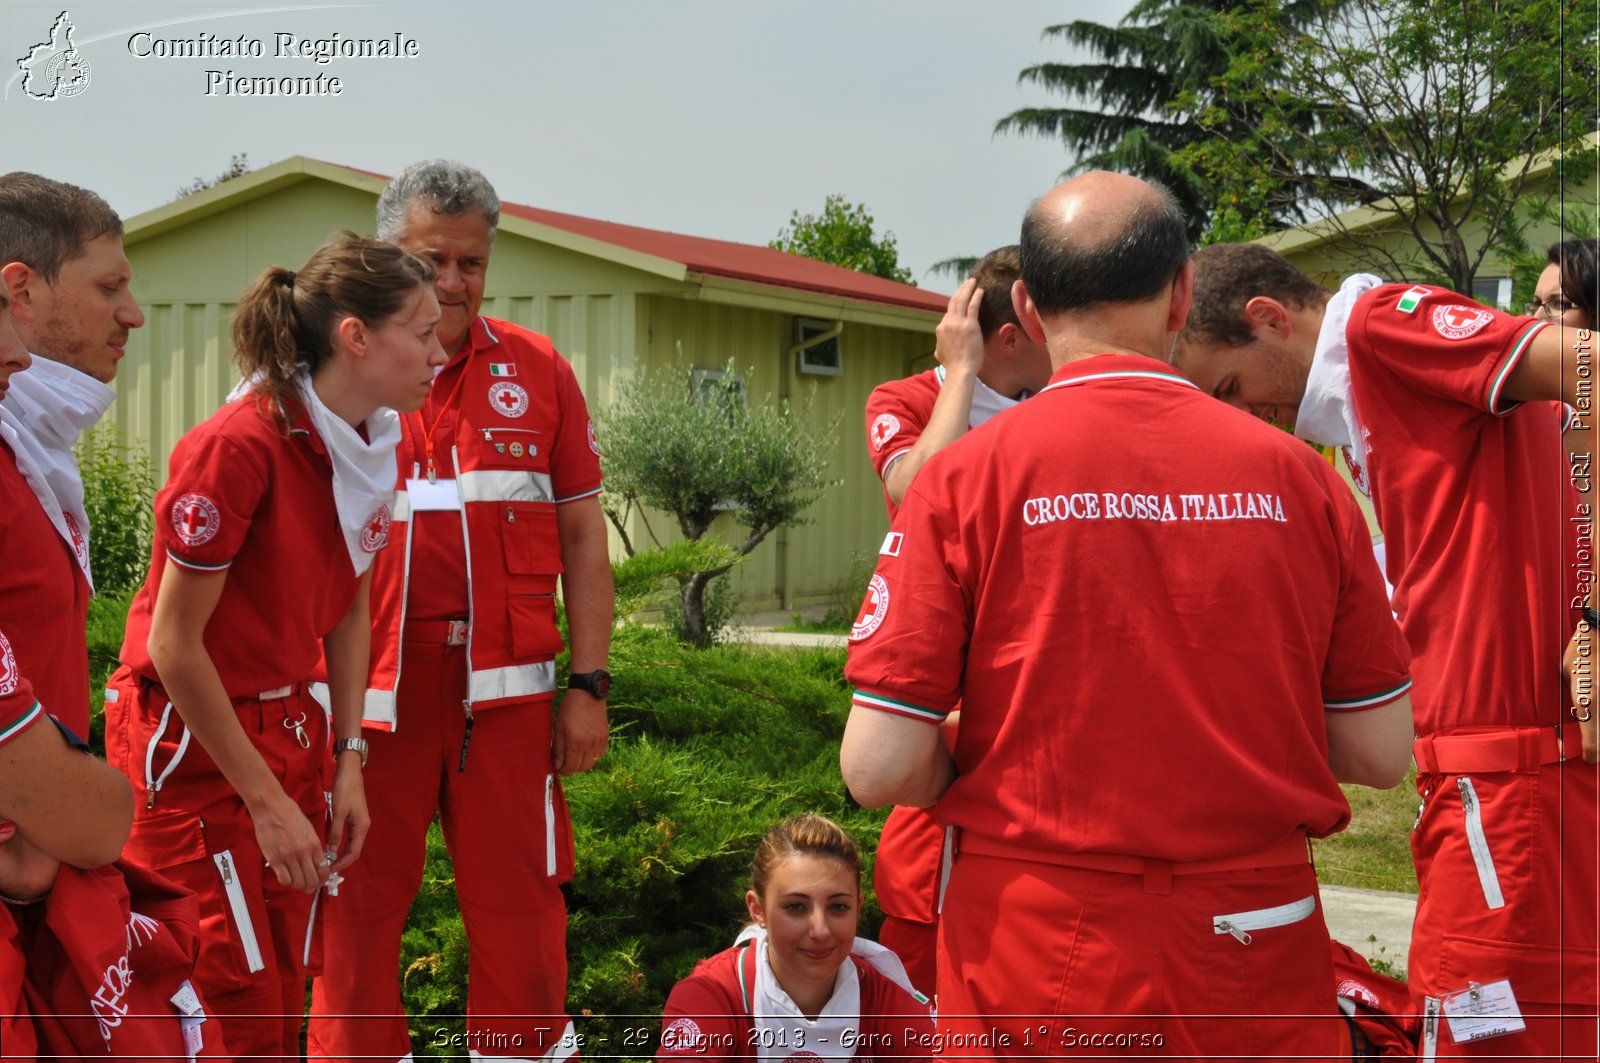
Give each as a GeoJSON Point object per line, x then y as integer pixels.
{"type": "Point", "coordinates": [195, 519]}
{"type": "Point", "coordinates": [883, 430]}
{"type": "Point", "coordinates": [375, 534]}
{"type": "Point", "coordinates": [508, 399]}
{"type": "Point", "coordinates": [1457, 322]}
{"type": "Point", "coordinates": [873, 610]}
{"type": "Point", "coordinates": [8, 668]}
{"type": "Point", "coordinates": [594, 440]}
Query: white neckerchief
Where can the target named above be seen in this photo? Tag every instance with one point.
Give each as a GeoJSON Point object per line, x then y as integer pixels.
{"type": "Point", "coordinates": [986, 401]}
{"type": "Point", "coordinates": [1327, 413]}
{"type": "Point", "coordinates": [363, 469]}
{"type": "Point", "coordinates": [782, 1029]}
{"type": "Point", "coordinates": [48, 408]}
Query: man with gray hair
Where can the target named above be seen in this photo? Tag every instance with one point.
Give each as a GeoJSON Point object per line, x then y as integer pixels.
{"type": "Point", "coordinates": [64, 272]}
{"type": "Point", "coordinates": [1135, 779]}
{"type": "Point", "coordinates": [499, 477]}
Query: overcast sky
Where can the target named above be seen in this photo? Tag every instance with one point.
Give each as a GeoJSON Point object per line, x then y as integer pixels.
{"type": "Point", "coordinates": [711, 117]}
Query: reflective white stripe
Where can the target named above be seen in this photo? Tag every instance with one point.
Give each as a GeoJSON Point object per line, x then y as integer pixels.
{"type": "Point", "coordinates": [512, 681]}
{"type": "Point", "coordinates": [1478, 842]}
{"type": "Point", "coordinates": [1239, 924]}
{"type": "Point", "coordinates": [152, 783]}
{"type": "Point", "coordinates": [550, 825]}
{"type": "Point", "coordinates": [379, 707]}
{"type": "Point", "coordinates": [241, 911]}
{"type": "Point", "coordinates": [505, 485]}
{"type": "Point", "coordinates": [566, 1047]}
{"type": "Point", "coordinates": [275, 693]}
{"type": "Point", "coordinates": [402, 507]}
{"type": "Point", "coordinates": [113, 695]}
{"type": "Point", "coordinates": [946, 861]}
{"type": "Point", "coordinates": [311, 923]}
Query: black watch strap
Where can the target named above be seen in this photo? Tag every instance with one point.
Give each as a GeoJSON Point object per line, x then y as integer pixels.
{"type": "Point", "coordinates": [1592, 616]}
{"type": "Point", "coordinates": [596, 683]}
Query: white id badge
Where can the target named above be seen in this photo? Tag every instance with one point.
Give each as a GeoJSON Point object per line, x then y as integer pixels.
{"type": "Point", "coordinates": [1482, 1011]}
{"type": "Point", "coordinates": [433, 497]}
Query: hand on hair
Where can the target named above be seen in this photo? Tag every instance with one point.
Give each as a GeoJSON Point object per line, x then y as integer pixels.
{"type": "Point", "coordinates": [959, 346]}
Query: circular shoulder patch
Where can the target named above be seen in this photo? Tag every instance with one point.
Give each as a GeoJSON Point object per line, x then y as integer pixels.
{"type": "Point", "coordinates": [1457, 322]}
{"type": "Point", "coordinates": [873, 610]}
{"type": "Point", "coordinates": [1351, 989]}
{"type": "Point", "coordinates": [681, 1035]}
{"type": "Point", "coordinates": [883, 430]}
{"type": "Point", "coordinates": [508, 399]}
{"type": "Point", "coordinates": [195, 519]}
{"type": "Point", "coordinates": [8, 668]}
{"type": "Point", "coordinates": [594, 440]}
{"type": "Point", "coordinates": [375, 534]}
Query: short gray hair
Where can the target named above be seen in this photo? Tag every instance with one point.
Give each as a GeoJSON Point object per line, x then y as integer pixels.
{"type": "Point", "coordinates": [446, 186]}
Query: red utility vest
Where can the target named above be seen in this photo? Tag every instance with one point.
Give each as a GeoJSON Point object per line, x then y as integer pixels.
{"type": "Point", "coordinates": [508, 514]}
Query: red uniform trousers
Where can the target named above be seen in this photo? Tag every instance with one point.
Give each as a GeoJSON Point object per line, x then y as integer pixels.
{"type": "Point", "coordinates": [905, 876]}
{"type": "Point", "coordinates": [258, 938]}
{"type": "Point", "coordinates": [1039, 959]}
{"type": "Point", "coordinates": [508, 869]}
{"type": "Point", "coordinates": [1507, 867]}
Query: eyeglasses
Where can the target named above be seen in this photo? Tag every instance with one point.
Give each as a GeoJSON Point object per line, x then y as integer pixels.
{"type": "Point", "coordinates": [1549, 309]}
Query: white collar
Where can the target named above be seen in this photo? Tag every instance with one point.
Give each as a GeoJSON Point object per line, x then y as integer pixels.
{"type": "Point", "coordinates": [1327, 411]}
{"type": "Point", "coordinates": [986, 401]}
{"type": "Point", "coordinates": [363, 469]}
{"type": "Point", "coordinates": [45, 410]}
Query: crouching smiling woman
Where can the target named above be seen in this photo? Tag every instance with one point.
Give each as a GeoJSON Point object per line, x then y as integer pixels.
{"type": "Point", "coordinates": [799, 982]}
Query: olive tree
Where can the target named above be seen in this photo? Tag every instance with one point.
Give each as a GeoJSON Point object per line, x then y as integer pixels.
{"type": "Point", "coordinates": [692, 445]}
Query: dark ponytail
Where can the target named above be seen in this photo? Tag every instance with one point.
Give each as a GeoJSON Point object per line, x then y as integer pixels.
{"type": "Point", "coordinates": [287, 318]}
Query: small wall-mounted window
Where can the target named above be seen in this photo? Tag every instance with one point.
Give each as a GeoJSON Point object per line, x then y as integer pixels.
{"type": "Point", "coordinates": [719, 387]}
{"type": "Point", "coordinates": [1492, 291]}
{"type": "Point", "coordinates": [819, 348]}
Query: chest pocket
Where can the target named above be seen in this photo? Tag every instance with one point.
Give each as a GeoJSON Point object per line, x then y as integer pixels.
{"type": "Point", "coordinates": [532, 549]}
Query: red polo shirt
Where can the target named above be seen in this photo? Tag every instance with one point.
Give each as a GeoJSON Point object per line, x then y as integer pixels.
{"type": "Point", "coordinates": [1474, 497]}
{"type": "Point", "coordinates": [44, 601]}
{"type": "Point", "coordinates": [248, 496]}
{"type": "Point", "coordinates": [1172, 614]}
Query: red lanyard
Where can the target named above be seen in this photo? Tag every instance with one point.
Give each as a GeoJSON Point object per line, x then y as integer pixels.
{"type": "Point", "coordinates": [427, 439]}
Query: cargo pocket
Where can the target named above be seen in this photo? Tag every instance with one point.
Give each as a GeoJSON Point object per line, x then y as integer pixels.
{"type": "Point", "coordinates": [1241, 924]}
{"type": "Point", "coordinates": [175, 844]}
{"type": "Point", "coordinates": [1539, 974]}
{"type": "Point", "coordinates": [533, 560]}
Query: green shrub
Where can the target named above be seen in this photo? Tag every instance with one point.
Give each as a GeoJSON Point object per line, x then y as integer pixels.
{"type": "Point", "coordinates": [118, 490]}
{"type": "Point", "coordinates": [710, 748]}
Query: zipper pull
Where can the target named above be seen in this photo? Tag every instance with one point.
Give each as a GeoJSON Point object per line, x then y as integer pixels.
{"type": "Point", "coordinates": [149, 799]}
{"type": "Point", "coordinates": [1468, 798]}
{"type": "Point", "coordinates": [466, 736]}
{"type": "Point", "coordinates": [1243, 936]}
{"type": "Point", "coordinates": [227, 870]}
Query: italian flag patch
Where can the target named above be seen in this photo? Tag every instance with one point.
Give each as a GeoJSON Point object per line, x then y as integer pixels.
{"type": "Point", "coordinates": [1408, 302]}
{"type": "Point", "coordinates": [502, 369]}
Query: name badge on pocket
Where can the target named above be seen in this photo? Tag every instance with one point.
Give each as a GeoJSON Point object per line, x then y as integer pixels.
{"type": "Point", "coordinates": [443, 495]}
{"type": "Point", "coordinates": [1481, 1011]}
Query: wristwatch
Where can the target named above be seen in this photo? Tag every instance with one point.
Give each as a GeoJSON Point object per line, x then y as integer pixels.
{"type": "Point", "coordinates": [596, 683]}
{"type": "Point", "coordinates": [344, 745]}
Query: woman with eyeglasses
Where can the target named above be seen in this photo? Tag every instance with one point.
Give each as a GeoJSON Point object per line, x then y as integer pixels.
{"type": "Point", "coordinates": [1569, 287]}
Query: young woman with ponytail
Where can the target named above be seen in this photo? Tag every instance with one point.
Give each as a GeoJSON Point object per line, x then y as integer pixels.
{"type": "Point", "coordinates": [264, 532]}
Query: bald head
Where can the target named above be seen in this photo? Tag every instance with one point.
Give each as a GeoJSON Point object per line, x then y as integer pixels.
{"type": "Point", "coordinates": [1101, 238]}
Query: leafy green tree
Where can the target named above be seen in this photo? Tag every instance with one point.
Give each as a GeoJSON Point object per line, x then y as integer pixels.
{"type": "Point", "coordinates": [1442, 109]}
{"type": "Point", "coordinates": [1134, 107]}
{"type": "Point", "coordinates": [697, 449]}
{"type": "Point", "coordinates": [842, 234]}
{"type": "Point", "coordinates": [238, 166]}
